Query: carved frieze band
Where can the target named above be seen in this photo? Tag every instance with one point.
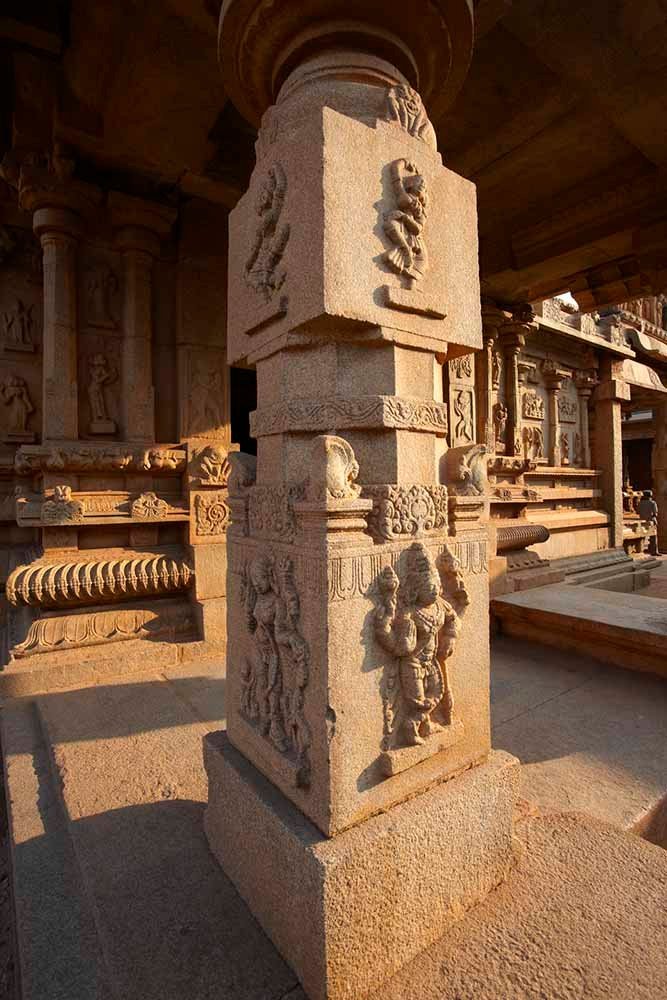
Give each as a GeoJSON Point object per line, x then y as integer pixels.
{"type": "Point", "coordinates": [64, 507]}
{"type": "Point", "coordinates": [406, 510]}
{"type": "Point", "coordinates": [164, 620]}
{"type": "Point", "coordinates": [55, 584]}
{"type": "Point", "coordinates": [271, 511]}
{"type": "Point", "coordinates": [110, 458]}
{"type": "Point", "coordinates": [321, 415]}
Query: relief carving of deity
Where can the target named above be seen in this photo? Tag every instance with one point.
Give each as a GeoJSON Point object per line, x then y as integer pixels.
{"type": "Point", "coordinates": [19, 325]}
{"type": "Point", "coordinates": [463, 430]}
{"type": "Point", "coordinates": [271, 238]}
{"type": "Point", "coordinates": [416, 625]}
{"type": "Point", "coordinates": [101, 374]}
{"type": "Point", "coordinates": [500, 421]}
{"type": "Point", "coordinates": [206, 395]}
{"type": "Point", "coordinates": [403, 225]}
{"type": "Point", "coordinates": [275, 676]}
{"type": "Point", "coordinates": [15, 395]}
{"type": "Point", "coordinates": [101, 287]}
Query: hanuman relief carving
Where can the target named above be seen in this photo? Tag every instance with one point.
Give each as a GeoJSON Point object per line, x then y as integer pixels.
{"type": "Point", "coordinates": [418, 627]}
{"type": "Point", "coordinates": [276, 675]}
{"type": "Point", "coordinates": [404, 224]}
{"type": "Point", "coordinates": [261, 268]}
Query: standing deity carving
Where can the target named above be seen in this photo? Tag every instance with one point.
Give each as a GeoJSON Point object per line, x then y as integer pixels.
{"type": "Point", "coordinates": [463, 429]}
{"type": "Point", "coordinates": [533, 442]}
{"type": "Point", "coordinates": [271, 238]}
{"type": "Point", "coordinates": [15, 395]}
{"type": "Point", "coordinates": [206, 396]}
{"type": "Point", "coordinates": [403, 225]}
{"type": "Point", "coordinates": [565, 449]}
{"type": "Point", "coordinates": [101, 286]}
{"type": "Point", "coordinates": [405, 108]}
{"type": "Point", "coordinates": [18, 326]}
{"type": "Point", "coordinates": [418, 626]}
{"type": "Point", "coordinates": [495, 369]}
{"type": "Point", "coordinates": [275, 676]}
{"type": "Point", "coordinates": [101, 374]}
{"type": "Point", "coordinates": [500, 422]}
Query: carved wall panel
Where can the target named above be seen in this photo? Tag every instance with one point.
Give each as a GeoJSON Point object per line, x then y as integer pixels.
{"type": "Point", "coordinates": [406, 510]}
{"type": "Point", "coordinates": [204, 394]}
{"type": "Point", "coordinates": [462, 417]}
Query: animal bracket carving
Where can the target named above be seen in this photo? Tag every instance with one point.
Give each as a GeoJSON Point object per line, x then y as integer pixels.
{"type": "Point", "coordinates": [418, 626]}
{"type": "Point", "coordinates": [262, 269]}
{"type": "Point", "coordinates": [403, 225]}
{"type": "Point", "coordinates": [466, 470]}
{"type": "Point", "coordinates": [276, 674]}
{"type": "Point", "coordinates": [335, 470]}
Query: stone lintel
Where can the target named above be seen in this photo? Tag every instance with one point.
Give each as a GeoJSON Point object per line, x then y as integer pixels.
{"type": "Point", "coordinates": [615, 390]}
{"type": "Point", "coordinates": [411, 871]}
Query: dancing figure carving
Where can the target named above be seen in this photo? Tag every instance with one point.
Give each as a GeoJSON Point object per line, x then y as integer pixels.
{"type": "Point", "coordinates": [404, 224]}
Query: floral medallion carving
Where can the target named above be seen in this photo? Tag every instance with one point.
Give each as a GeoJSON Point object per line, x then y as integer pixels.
{"type": "Point", "coordinates": [275, 675]}
{"type": "Point", "coordinates": [149, 507]}
{"type": "Point", "coordinates": [406, 510]}
{"type": "Point", "coordinates": [211, 513]}
{"type": "Point", "coordinates": [417, 621]}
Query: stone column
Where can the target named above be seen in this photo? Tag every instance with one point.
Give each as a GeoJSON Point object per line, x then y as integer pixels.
{"type": "Point", "coordinates": [492, 319]}
{"type": "Point", "coordinates": [553, 380]}
{"type": "Point", "coordinates": [139, 228]}
{"type": "Point", "coordinates": [357, 669]}
{"type": "Point", "coordinates": [659, 463]}
{"type": "Point", "coordinates": [585, 382]}
{"type": "Point", "coordinates": [610, 394]}
{"type": "Point", "coordinates": [513, 340]}
{"type": "Point", "coordinates": [59, 206]}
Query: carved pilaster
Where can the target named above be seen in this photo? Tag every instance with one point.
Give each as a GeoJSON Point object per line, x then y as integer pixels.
{"type": "Point", "coordinates": [553, 380]}
{"type": "Point", "coordinates": [585, 382]}
{"type": "Point", "coordinates": [513, 340]}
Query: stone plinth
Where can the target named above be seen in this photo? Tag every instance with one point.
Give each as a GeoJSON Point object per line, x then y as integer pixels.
{"type": "Point", "coordinates": [348, 912]}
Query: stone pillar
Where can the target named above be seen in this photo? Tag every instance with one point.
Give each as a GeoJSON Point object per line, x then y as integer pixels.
{"type": "Point", "coordinates": [139, 227]}
{"type": "Point", "coordinates": [585, 382]}
{"type": "Point", "coordinates": [513, 339]}
{"type": "Point", "coordinates": [609, 396]}
{"type": "Point", "coordinates": [492, 319]}
{"type": "Point", "coordinates": [659, 462]}
{"type": "Point", "coordinates": [59, 206]}
{"type": "Point", "coordinates": [357, 668]}
{"type": "Point", "coordinates": [553, 380]}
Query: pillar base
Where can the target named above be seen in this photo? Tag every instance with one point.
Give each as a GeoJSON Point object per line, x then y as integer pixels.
{"type": "Point", "coordinates": [348, 912]}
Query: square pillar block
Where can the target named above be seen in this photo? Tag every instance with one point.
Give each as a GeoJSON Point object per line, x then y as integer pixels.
{"type": "Point", "coordinates": [347, 913]}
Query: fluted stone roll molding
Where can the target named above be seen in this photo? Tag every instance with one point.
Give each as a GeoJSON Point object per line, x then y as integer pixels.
{"type": "Point", "coordinates": [513, 537]}
{"type": "Point", "coordinates": [56, 584]}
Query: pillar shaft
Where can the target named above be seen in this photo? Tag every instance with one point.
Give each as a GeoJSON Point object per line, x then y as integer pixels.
{"type": "Point", "coordinates": [660, 471]}
{"type": "Point", "coordinates": [609, 396]}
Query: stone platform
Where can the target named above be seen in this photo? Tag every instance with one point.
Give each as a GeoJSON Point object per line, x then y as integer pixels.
{"type": "Point", "coordinates": [627, 630]}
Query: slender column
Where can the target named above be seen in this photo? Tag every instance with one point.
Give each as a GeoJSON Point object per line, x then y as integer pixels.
{"type": "Point", "coordinates": [585, 382]}
{"type": "Point", "coordinates": [358, 581]}
{"type": "Point", "coordinates": [60, 205]}
{"type": "Point", "coordinates": [513, 340]}
{"type": "Point", "coordinates": [610, 394]}
{"type": "Point", "coordinates": [492, 319]}
{"type": "Point", "coordinates": [139, 227]}
{"type": "Point", "coordinates": [553, 379]}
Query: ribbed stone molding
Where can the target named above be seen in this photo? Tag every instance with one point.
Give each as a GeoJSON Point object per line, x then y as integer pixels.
{"type": "Point", "coordinates": [510, 537]}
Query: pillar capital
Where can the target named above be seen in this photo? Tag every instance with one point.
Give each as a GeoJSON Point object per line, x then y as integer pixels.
{"type": "Point", "coordinates": [47, 187]}
{"type": "Point", "coordinates": [260, 43]}
{"type": "Point", "coordinates": [139, 224]}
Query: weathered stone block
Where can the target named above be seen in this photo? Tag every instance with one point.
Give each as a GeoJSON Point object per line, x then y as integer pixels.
{"type": "Point", "coordinates": [347, 913]}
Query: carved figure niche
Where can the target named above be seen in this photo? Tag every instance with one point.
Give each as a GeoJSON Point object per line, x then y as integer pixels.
{"type": "Point", "coordinates": [418, 626]}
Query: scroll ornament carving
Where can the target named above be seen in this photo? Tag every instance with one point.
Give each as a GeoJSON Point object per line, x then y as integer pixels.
{"type": "Point", "coordinates": [271, 510]}
{"type": "Point", "coordinates": [94, 628]}
{"type": "Point", "coordinates": [406, 510]}
{"type": "Point", "coordinates": [405, 108]}
{"type": "Point", "coordinates": [403, 225]}
{"type": "Point", "coordinates": [79, 458]}
{"type": "Point", "coordinates": [60, 583]}
{"type": "Point", "coordinates": [149, 507]}
{"type": "Point", "coordinates": [418, 626]}
{"type": "Point", "coordinates": [211, 514]}
{"type": "Point", "coordinates": [533, 406]}
{"type": "Point", "coordinates": [262, 269]}
{"type": "Point", "coordinates": [335, 470]}
{"type": "Point", "coordinates": [62, 508]}
{"type": "Point", "coordinates": [275, 676]}
{"type": "Point", "coordinates": [362, 411]}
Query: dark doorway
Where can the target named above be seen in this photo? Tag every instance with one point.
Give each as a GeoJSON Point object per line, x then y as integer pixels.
{"type": "Point", "coordinates": [243, 400]}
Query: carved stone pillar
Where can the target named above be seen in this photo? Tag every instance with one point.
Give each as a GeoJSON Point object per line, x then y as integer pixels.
{"type": "Point", "coordinates": [659, 463]}
{"type": "Point", "coordinates": [553, 380]}
{"type": "Point", "coordinates": [357, 618]}
{"type": "Point", "coordinates": [585, 382]}
{"type": "Point", "coordinates": [59, 205]}
{"type": "Point", "coordinates": [609, 396]}
{"type": "Point", "coordinates": [513, 339]}
{"type": "Point", "coordinates": [139, 227]}
{"type": "Point", "coordinates": [492, 319]}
